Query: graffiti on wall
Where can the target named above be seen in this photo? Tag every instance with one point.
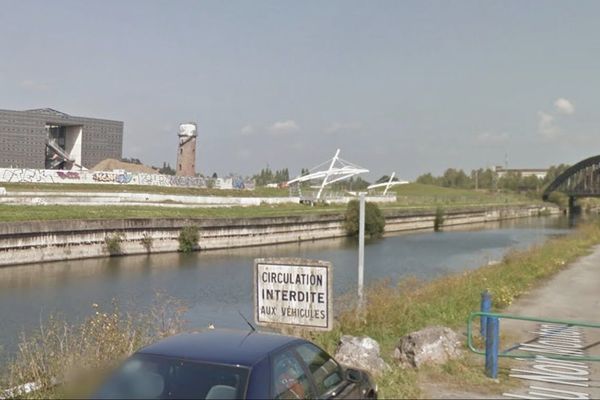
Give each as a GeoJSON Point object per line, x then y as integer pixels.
{"type": "Point", "coordinates": [26, 175]}
{"type": "Point", "coordinates": [119, 177]}
{"type": "Point", "coordinates": [68, 175]}
{"type": "Point", "coordinates": [112, 177]}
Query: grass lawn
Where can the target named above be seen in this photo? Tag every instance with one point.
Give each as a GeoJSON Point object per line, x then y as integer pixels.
{"type": "Point", "coordinates": [413, 196]}
{"type": "Point", "coordinates": [430, 195]}
{"type": "Point", "coordinates": [55, 212]}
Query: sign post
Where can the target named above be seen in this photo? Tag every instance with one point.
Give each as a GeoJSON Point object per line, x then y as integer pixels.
{"type": "Point", "coordinates": [293, 292]}
{"type": "Point", "coordinates": [361, 250]}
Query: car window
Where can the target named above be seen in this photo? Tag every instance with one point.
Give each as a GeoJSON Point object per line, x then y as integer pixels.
{"type": "Point", "coordinates": [326, 372]}
{"type": "Point", "coordinates": [150, 377]}
{"type": "Point", "coordinates": [289, 379]}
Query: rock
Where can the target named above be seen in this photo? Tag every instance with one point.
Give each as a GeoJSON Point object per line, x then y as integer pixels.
{"type": "Point", "coordinates": [361, 353]}
{"type": "Point", "coordinates": [434, 344]}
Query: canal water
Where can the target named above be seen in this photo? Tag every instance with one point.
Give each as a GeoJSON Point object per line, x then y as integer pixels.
{"type": "Point", "coordinates": [216, 284]}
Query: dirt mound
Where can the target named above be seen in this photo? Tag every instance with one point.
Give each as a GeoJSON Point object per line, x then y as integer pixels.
{"type": "Point", "coordinates": [110, 164]}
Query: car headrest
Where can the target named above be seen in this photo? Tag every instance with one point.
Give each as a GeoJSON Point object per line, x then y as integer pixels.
{"type": "Point", "coordinates": [146, 384]}
{"type": "Point", "coordinates": [221, 392]}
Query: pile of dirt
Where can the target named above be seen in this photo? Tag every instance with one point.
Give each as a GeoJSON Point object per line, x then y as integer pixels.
{"type": "Point", "coordinates": [111, 164]}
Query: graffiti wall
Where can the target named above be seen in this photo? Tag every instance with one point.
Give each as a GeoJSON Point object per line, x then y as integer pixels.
{"type": "Point", "coordinates": [24, 175]}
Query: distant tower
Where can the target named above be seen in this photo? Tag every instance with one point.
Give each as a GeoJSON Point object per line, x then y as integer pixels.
{"type": "Point", "coordinates": [186, 153]}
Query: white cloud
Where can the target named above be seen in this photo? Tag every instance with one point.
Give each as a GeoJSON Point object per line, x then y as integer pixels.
{"type": "Point", "coordinates": [547, 125]}
{"type": "Point", "coordinates": [490, 138]}
{"type": "Point", "coordinates": [336, 127]}
{"type": "Point", "coordinates": [284, 127]}
{"type": "Point", "coordinates": [33, 85]}
{"type": "Point", "coordinates": [247, 130]}
{"type": "Point", "coordinates": [564, 106]}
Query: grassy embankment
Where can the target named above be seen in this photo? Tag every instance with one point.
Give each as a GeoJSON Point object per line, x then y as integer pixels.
{"type": "Point", "coordinates": [390, 313]}
{"type": "Point", "coordinates": [108, 188]}
{"type": "Point", "coordinates": [393, 312]}
{"type": "Point", "coordinates": [412, 196]}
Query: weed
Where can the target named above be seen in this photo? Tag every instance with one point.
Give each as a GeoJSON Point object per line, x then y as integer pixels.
{"type": "Point", "coordinates": [147, 241]}
{"type": "Point", "coordinates": [113, 243]}
{"type": "Point", "coordinates": [438, 220]}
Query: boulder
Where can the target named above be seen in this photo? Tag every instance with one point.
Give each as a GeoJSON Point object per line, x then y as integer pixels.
{"type": "Point", "coordinates": [361, 353]}
{"type": "Point", "coordinates": [434, 344]}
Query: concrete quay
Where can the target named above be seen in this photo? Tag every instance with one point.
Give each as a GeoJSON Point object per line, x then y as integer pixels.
{"type": "Point", "coordinates": [41, 241]}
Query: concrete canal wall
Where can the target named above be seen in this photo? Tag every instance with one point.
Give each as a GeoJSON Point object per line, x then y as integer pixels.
{"type": "Point", "coordinates": [39, 241]}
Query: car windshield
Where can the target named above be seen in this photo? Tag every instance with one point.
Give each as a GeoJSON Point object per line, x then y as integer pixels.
{"type": "Point", "coordinates": [153, 377]}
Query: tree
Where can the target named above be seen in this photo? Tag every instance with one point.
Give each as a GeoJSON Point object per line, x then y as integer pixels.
{"type": "Point", "coordinates": [484, 177]}
{"type": "Point", "coordinates": [131, 160]}
{"type": "Point", "coordinates": [428, 179]}
{"type": "Point", "coordinates": [384, 179]}
{"type": "Point", "coordinates": [267, 176]}
{"type": "Point", "coordinates": [374, 219]}
{"type": "Point", "coordinates": [553, 172]}
{"type": "Point", "coordinates": [214, 175]}
{"type": "Point", "coordinates": [456, 178]}
{"type": "Point", "coordinates": [166, 169]}
{"type": "Point", "coordinates": [510, 181]}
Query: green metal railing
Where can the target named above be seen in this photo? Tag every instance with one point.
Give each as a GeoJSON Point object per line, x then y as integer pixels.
{"type": "Point", "coordinates": [508, 353]}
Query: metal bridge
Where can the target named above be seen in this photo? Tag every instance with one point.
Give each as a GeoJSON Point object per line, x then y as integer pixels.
{"type": "Point", "coordinates": [580, 180]}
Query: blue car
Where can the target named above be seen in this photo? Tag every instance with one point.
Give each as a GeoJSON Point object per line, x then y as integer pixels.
{"type": "Point", "coordinates": [222, 364]}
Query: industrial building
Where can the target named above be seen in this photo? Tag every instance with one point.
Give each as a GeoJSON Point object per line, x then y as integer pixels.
{"type": "Point", "coordinates": [539, 173]}
{"type": "Point", "coordinates": [49, 139]}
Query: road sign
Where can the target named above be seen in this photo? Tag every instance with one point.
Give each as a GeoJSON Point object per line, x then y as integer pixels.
{"type": "Point", "coordinates": [293, 292]}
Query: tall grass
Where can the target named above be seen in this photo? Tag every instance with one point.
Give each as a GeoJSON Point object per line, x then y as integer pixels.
{"type": "Point", "coordinates": [392, 312]}
{"type": "Point", "coordinates": [63, 359]}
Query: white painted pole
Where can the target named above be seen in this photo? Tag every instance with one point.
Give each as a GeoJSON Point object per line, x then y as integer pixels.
{"type": "Point", "coordinates": [387, 187]}
{"type": "Point", "coordinates": [361, 250]}
{"type": "Point", "coordinates": [333, 160]}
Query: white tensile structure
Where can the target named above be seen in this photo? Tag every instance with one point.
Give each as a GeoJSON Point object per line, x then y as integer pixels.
{"type": "Point", "coordinates": [387, 185]}
{"type": "Point", "coordinates": [338, 171]}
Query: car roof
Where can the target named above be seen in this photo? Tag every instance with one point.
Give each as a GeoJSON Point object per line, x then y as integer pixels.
{"type": "Point", "coordinates": [220, 346]}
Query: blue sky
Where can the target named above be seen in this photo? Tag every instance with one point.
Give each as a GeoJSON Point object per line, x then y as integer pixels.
{"type": "Point", "coordinates": [399, 86]}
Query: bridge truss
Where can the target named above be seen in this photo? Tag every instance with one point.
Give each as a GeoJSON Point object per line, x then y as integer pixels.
{"type": "Point", "coordinates": [580, 180]}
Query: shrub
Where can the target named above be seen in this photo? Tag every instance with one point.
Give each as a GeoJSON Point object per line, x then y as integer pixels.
{"type": "Point", "coordinates": [188, 239]}
{"type": "Point", "coordinates": [560, 199]}
{"type": "Point", "coordinates": [438, 221]}
{"type": "Point", "coordinates": [374, 219]}
{"type": "Point", "coordinates": [113, 243]}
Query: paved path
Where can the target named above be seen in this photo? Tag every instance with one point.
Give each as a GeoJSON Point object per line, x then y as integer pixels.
{"type": "Point", "coordinates": [572, 294]}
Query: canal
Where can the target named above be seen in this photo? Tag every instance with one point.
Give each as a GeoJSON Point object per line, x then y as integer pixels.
{"type": "Point", "coordinates": [215, 285]}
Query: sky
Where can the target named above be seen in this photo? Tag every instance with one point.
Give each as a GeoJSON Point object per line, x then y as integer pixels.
{"type": "Point", "coordinates": [404, 86]}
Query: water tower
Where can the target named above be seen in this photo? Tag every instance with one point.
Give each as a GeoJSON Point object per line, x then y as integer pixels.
{"type": "Point", "coordinates": [186, 152]}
